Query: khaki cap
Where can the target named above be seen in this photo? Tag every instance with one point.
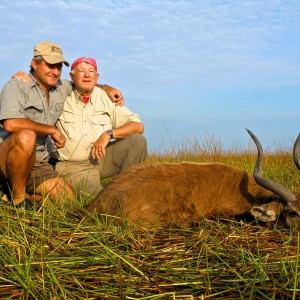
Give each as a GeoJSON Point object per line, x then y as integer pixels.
{"type": "Point", "coordinates": [51, 53]}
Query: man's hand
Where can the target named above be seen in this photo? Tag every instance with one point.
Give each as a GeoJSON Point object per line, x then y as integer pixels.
{"type": "Point", "coordinates": [98, 149]}
{"type": "Point", "coordinates": [114, 95]}
{"type": "Point", "coordinates": [58, 138]}
{"type": "Point", "coordinates": [22, 76]}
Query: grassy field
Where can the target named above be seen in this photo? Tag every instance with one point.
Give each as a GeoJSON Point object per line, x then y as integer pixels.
{"type": "Point", "coordinates": [49, 254]}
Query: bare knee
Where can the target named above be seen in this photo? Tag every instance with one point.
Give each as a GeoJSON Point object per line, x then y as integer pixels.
{"type": "Point", "coordinates": [18, 148]}
{"type": "Point", "coordinates": [60, 188]}
{"type": "Point", "coordinates": [25, 139]}
{"type": "Point", "coordinates": [57, 189]}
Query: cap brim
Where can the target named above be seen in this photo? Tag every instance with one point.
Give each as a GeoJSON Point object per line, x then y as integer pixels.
{"type": "Point", "coordinates": [55, 60]}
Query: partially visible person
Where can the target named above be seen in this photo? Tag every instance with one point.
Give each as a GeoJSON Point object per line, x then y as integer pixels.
{"type": "Point", "coordinates": [102, 139]}
{"type": "Point", "coordinates": [28, 113]}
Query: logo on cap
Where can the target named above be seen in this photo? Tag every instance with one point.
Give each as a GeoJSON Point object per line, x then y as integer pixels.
{"type": "Point", "coordinates": [56, 49]}
{"type": "Point", "coordinates": [51, 53]}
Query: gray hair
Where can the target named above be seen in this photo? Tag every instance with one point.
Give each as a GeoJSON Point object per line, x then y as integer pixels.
{"type": "Point", "coordinates": [38, 60]}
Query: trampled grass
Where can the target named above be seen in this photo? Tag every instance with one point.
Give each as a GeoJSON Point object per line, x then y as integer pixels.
{"type": "Point", "coordinates": [49, 254]}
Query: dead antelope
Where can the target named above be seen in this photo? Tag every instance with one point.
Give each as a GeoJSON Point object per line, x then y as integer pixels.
{"type": "Point", "coordinates": [179, 194]}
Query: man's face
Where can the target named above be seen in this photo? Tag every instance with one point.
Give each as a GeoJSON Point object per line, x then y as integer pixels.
{"type": "Point", "coordinates": [46, 75]}
{"type": "Point", "coordinates": [84, 77]}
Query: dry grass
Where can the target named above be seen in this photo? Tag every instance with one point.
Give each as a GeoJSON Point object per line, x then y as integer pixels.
{"type": "Point", "coordinates": [51, 255]}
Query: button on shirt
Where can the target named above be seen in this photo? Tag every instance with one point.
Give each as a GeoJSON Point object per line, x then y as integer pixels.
{"type": "Point", "coordinates": [28, 100]}
{"type": "Point", "coordinates": [83, 124]}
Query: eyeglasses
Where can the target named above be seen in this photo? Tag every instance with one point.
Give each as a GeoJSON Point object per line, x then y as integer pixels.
{"type": "Point", "coordinates": [83, 72]}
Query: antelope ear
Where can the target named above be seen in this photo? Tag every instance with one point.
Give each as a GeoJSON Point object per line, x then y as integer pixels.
{"type": "Point", "coordinates": [263, 214]}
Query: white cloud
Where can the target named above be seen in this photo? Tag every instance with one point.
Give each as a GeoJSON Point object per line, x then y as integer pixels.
{"type": "Point", "coordinates": [162, 51]}
{"type": "Point", "coordinates": [208, 42]}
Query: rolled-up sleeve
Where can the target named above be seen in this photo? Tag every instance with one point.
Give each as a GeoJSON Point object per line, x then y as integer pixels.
{"type": "Point", "coordinates": [12, 101]}
{"type": "Point", "coordinates": [123, 115]}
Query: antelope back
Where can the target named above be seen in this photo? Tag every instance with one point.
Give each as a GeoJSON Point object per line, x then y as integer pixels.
{"type": "Point", "coordinates": [179, 193]}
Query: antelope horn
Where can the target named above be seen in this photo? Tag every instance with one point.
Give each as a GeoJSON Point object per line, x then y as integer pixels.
{"type": "Point", "coordinates": [272, 186]}
{"type": "Point", "coordinates": [296, 151]}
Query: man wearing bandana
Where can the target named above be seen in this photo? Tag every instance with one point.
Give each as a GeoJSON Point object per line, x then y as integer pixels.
{"type": "Point", "coordinates": [102, 139]}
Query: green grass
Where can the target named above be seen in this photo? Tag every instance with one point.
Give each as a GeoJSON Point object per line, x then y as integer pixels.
{"type": "Point", "coordinates": [51, 255]}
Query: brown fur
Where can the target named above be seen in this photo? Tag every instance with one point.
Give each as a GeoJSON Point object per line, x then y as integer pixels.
{"type": "Point", "coordinates": [180, 194]}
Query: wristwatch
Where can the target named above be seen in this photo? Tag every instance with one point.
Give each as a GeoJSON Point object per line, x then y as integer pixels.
{"type": "Point", "coordinates": [110, 133]}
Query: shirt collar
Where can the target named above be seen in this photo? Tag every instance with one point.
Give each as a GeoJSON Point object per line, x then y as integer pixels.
{"type": "Point", "coordinates": [79, 97]}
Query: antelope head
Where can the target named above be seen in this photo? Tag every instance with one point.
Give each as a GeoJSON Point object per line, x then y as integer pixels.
{"type": "Point", "coordinates": [290, 211]}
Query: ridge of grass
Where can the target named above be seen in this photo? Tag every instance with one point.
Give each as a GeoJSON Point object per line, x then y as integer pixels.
{"type": "Point", "coordinates": [51, 255]}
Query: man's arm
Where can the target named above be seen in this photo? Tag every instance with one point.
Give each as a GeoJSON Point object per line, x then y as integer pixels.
{"type": "Point", "coordinates": [13, 125]}
{"type": "Point", "coordinates": [128, 129]}
{"type": "Point", "coordinates": [114, 94]}
{"type": "Point", "coordinates": [98, 149]}
{"type": "Point", "coordinates": [22, 76]}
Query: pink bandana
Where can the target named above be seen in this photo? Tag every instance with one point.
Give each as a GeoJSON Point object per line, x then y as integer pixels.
{"type": "Point", "coordinates": [85, 59]}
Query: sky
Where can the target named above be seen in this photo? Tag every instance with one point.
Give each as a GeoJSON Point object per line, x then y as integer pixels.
{"type": "Point", "coordinates": [195, 71]}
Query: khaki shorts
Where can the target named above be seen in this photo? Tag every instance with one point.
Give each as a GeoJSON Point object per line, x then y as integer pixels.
{"type": "Point", "coordinates": [38, 175]}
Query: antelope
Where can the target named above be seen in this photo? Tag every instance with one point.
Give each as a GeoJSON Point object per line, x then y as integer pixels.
{"type": "Point", "coordinates": [180, 194]}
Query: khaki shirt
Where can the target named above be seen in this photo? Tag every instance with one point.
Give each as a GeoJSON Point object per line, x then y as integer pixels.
{"type": "Point", "coordinates": [82, 124]}
{"type": "Point", "coordinates": [28, 100]}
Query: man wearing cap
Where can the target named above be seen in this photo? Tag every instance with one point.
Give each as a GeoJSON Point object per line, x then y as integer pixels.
{"type": "Point", "coordinates": [28, 113]}
{"type": "Point", "coordinates": [101, 139]}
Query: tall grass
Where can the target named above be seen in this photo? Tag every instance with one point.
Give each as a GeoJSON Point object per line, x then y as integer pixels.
{"type": "Point", "coordinates": [50, 254]}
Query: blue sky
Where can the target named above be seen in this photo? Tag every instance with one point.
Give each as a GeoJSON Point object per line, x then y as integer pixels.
{"type": "Point", "coordinates": [193, 70]}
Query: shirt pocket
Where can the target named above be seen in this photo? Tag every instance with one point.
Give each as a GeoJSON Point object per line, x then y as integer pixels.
{"type": "Point", "coordinates": [101, 120]}
{"type": "Point", "coordinates": [34, 112]}
{"type": "Point", "coordinates": [71, 126]}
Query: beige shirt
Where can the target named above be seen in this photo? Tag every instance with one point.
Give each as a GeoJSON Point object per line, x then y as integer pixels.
{"type": "Point", "coordinates": [82, 124]}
